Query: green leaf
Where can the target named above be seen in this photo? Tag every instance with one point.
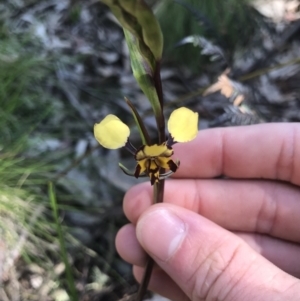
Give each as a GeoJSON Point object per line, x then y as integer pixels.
{"type": "Point", "coordinates": [136, 17]}
{"type": "Point", "coordinates": [152, 34]}
{"type": "Point", "coordinates": [140, 124]}
{"type": "Point", "coordinates": [142, 75]}
{"type": "Point", "coordinates": [145, 42]}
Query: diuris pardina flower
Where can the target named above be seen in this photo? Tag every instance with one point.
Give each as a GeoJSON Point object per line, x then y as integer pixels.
{"type": "Point", "coordinates": [112, 133]}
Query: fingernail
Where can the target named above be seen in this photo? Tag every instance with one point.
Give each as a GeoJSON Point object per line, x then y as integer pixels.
{"type": "Point", "coordinates": [161, 233]}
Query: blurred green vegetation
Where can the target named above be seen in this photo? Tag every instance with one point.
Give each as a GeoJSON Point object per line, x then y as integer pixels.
{"type": "Point", "coordinates": [25, 227]}
{"type": "Point", "coordinates": [35, 111]}
{"type": "Point", "coordinates": [226, 23]}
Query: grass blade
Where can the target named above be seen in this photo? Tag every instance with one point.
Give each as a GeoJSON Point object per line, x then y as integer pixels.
{"type": "Point", "coordinates": [70, 278]}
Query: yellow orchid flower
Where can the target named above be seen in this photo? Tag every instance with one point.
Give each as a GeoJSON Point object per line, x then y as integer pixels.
{"type": "Point", "coordinates": [112, 133]}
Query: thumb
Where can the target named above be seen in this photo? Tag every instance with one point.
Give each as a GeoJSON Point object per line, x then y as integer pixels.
{"type": "Point", "coordinates": [208, 262]}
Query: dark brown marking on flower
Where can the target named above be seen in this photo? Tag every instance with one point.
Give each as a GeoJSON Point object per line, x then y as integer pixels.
{"type": "Point", "coordinates": [137, 170]}
{"type": "Point", "coordinates": [173, 166]}
{"type": "Point", "coordinates": [153, 178]}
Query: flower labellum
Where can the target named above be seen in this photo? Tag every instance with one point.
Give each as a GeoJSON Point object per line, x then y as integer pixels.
{"type": "Point", "coordinates": [151, 158]}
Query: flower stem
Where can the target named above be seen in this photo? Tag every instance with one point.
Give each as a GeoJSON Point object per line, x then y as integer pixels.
{"type": "Point", "coordinates": [158, 188]}
{"type": "Point", "coordinates": [158, 197]}
{"type": "Point", "coordinates": [146, 279]}
{"type": "Point", "coordinates": [158, 192]}
{"type": "Point", "coordinates": [160, 119]}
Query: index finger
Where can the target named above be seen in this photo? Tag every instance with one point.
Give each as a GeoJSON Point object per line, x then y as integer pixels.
{"type": "Point", "coordinates": [269, 151]}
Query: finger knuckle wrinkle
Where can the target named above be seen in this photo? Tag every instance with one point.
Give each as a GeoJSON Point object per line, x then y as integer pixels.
{"type": "Point", "coordinates": [286, 160]}
{"type": "Point", "coordinates": [198, 201]}
{"type": "Point", "coordinates": [267, 214]}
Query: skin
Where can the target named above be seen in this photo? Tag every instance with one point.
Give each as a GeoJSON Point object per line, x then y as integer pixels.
{"type": "Point", "coordinates": [222, 239]}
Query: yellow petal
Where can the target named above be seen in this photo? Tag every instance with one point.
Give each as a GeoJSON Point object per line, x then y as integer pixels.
{"type": "Point", "coordinates": [158, 150]}
{"type": "Point", "coordinates": [111, 132]}
{"type": "Point", "coordinates": [183, 125]}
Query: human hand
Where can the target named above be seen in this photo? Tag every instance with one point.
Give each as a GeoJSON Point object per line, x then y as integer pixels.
{"type": "Point", "coordinates": [223, 239]}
